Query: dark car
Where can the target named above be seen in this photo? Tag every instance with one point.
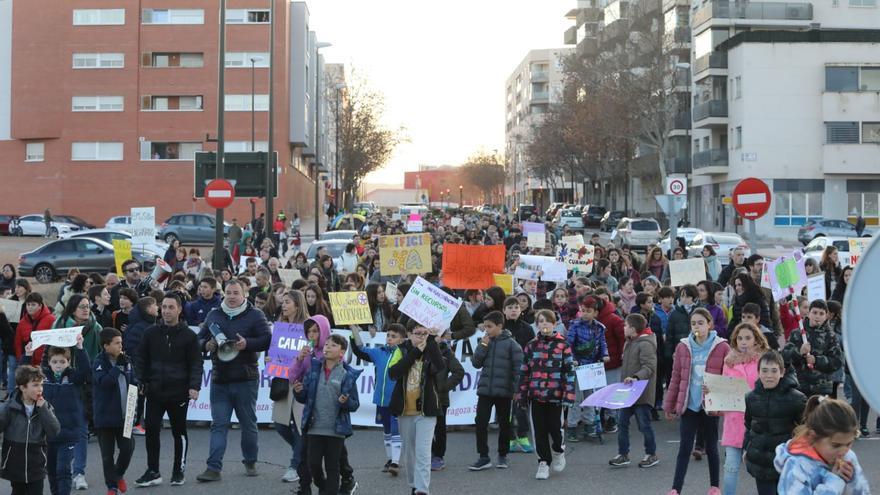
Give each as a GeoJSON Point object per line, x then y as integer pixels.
{"type": "Point", "coordinates": [73, 219]}
{"type": "Point", "coordinates": [190, 228]}
{"type": "Point", "coordinates": [592, 215]}
{"type": "Point", "coordinates": [55, 258]}
{"type": "Point", "coordinates": [610, 220]}
{"type": "Point", "coordinates": [524, 212]}
{"type": "Point", "coordinates": [5, 220]}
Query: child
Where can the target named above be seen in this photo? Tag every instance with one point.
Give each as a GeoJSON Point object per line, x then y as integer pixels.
{"type": "Point", "coordinates": [751, 314]}
{"type": "Point", "coordinates": [112, 374]}
{"type": "Point", "coordinates": [499, 357]}
{"type": "Point", "coordinates": [329, 392]}
{"type": "Point", "coordinates": [702, 352]}
{"type": "Point", "coordinates": [63, 389]}
{"type": "Point", "coordinates": [586, 337]}
{"type": "Point", "coordinates": [27, 421]}
{"type": "Point", "coordinates": [381, 358]}
{"type": "Point", "coordinates": [835, 323]}
{"type": "Point", "coordinates": [127, 300]}
{"type": "Point", "coordinates": [814, 356]}
{"type": "Point", "coordinates": [522, 332]}
{"type": "Point", "coordinates": [639, 363]}
{"type": "Point", "coordinates": [547, 383]}
{"type": "Point", "coordinates": [773, 409]}
{"type": "Point", "coordinates": [819, 459]}
{"type": "Point", "coordinates": [662, 309]}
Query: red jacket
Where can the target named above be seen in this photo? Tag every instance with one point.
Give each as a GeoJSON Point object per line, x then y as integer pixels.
{"type": "Point", "coordinates": [790, 322]}
{"type": "Point", "coordinates": [614, 335]}
{"type": "Point", "coordinates": [676, 398]}
{"type": "Point", "coordinates": [43, 321]}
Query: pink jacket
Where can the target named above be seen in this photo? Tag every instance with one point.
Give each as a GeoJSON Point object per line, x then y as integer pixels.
{"type": "Point", "coordinates": [298, 368]}
{"type": "Point", "coordinates": [744, 366]}
{"type": "Point", "coordinates": [676, 397]}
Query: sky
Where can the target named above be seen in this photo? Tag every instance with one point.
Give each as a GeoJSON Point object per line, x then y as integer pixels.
{"type": "Point", "coordinates": [441, 66]}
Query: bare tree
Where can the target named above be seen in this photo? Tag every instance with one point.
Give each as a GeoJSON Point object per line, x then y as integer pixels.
{"type": "Point", "coordinates": [486, 171]}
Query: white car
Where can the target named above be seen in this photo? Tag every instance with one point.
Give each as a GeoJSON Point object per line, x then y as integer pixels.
{"type": "Point", "coordinates": [33, 225]}
{"type": "Point", "coordinates": [571, 218]}
{"type": "Point", "coordinates": [637, 232]}
{"type": "Point", "coordinates": [123, 223]}
{"type": "Point", "coordinates": [721, 242]}
{"type": "Point", "coordinates": [686, 232]}
{"type": "Point", "coordinates": [817, 246]}
{"type": "Point", "coordinates": [109, 235]}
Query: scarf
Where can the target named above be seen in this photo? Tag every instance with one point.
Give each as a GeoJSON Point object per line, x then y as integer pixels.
{"type": "Point", "coordinates": [233, 312]}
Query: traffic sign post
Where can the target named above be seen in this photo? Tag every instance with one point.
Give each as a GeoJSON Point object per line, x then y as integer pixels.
{"type": "Point", "coordinates": [676, 186]}
{"type": "Point", "coordinates": [751, 199]}
{"type": "Point", "coordinates": [671, 204]}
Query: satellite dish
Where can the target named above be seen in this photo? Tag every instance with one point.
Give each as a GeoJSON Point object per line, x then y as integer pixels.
{"type": "Point", "coordinates": [860, 325]}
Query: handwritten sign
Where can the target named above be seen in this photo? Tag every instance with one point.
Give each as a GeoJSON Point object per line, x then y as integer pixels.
{"type": "Point", "coordinates": [471, 267]}
{"type": "Point", "coordinates": [289, 276]}
{"type": "Point", "coordinates": [404, 254]}
{"type": "Point", "coordinates": [816, 287]}
{"type": "Point", "coordinates": [577, 256]}
{"type": "Point", "coordinates": [12, 309]}
{"type": "Point", "coordinates": [505, 281]}
{"type": "Point", "coordinates": [121, 253]}
{"type": "Point", "coordinates": [391, 292]}
{"type": "Point", "coordinates": [591, 376]}
{"type": "Point", "coordinates": [429, 305]}
{"type": "Point", "coordinates": [143, 225]}
{"type": "Point", "coordinates": [287, 340]}
{"type": "Point", "coordinates": [131, 401]}
{"type": "Point", "coordinates": [857, 246]}
{"type": "Point", "coordinates": [788, 274]}
{"type": "Point", "coordinates": [414, 226]}
{"type": "Point", "coordinates": [59, 337]}
{"type": "Point", "coordinates": [528, 227]}
{"type": "Point", "coordinates": [537, 240]}
{"type": "Point", "coordinates": [726, 393]}
{"type": "Point", "coordinates": [617, 395]}
{"type": "Point", "coordinates": [544, 267]}
{"type": "Point", "coordinates": [455, 222]}
{"type": "Point", "coordinates": [689, 271]}
{"type": "Point", "coordinates": [350, 308]}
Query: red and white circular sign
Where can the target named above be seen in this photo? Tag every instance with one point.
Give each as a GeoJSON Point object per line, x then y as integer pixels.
{"type": "Point", "coordinates": [219, 193]}
{"type": "Point", "coordinates": [752, 198]}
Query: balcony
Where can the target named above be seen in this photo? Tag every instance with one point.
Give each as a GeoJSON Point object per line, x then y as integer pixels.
{"type": "Point", "coordinates": [614, 32]}
{"type": "Point", "coordinates": [712, 113]}
{"type": "Point", "coordinates": [589, 16]}
{"type": "Point", "coordinates": [679, 122]}
{"type": "Point", "coordinates": [570, 37]}
{"type": "Point", "coordinates": [541, 97]}
{"type": "Point", "coordinates": [539, 76]}
{"type": "Point", "coordinates": [762, 11]}
{"type": "Point", "coordinates": [588, 46]}
{"type": "Point", "coordinates": [644, 12]}
{"type": "Point", "coordinates": [716, 60]}
{"type": "Point", "coordinates": [678, 165]}
{"type": "Point", "coordinates": [710, 162]}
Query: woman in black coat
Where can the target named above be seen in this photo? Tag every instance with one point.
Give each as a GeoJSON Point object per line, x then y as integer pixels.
{"type": "Point", "coordinates": [747, 291]}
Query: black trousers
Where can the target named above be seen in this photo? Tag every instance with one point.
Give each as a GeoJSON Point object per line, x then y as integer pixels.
{"type": "Point", "coordinates": [155, 410]}
{"type": "Point", "coordinates": [438, 445]}
{"type": "Point", "coordinates": [502, 415]}
{"type": "Point", "coordinates": [304, 471]}
{"type": "Point", "coordinates": [521, 418]}
{"type": "Point", "coordinates": [109, 439]}
{"type": "Point", "coordinates": [547, 423]}
{"type": "Point", "coordinates": [766, 487]}
{"type": "Point", "coordinates": [324, 455]}
{"type": "Point", "coordinates": [32, 488]}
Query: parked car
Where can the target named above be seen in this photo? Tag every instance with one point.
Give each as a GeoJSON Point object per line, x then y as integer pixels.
{"type": "Point", "coordinates": [637, 232]}
{"type": "Point", "coordinates": [593, 214]}
{"type": "Point", "coordinates": [551, 212]}
{"type": "Point", "coordinates": [686, 232]}
{"type": "Point", "coordinates": [610, 220]}
{"type": "Point", "coordinates": [5, 221]}
{"type": "Point", "coordinates": [817, 246]}
{"type": "Point", "coordinates": [55, 258]}
{"type": "Point", "coordinates": [33, 225]}
{"type": "Point", "coordinates": [524, 212]}
{"type": "Point", "coordinates": [190, 228]}
{"type": "Point", "coordinates": [73, 220]}
{"type": "Point", "coordinates": [335, 248]}
{"type": "Point", "coordinates": [721, 242]}
{"type": "Point", "coordinates": [369, 206]}
{"type": "Point", "coordinates": [338, 234]}
{"type": "Point", "coordinates": [123, 223]}
{"type": "Point", "coordinates": [109, 235]}
{"type": "Point", "coordinates": [570, 218]}
{"type": "Point", "coordinates": [829, 228]}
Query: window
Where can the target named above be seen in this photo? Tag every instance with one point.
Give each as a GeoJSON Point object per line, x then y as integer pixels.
{"type": "Point", "coordinates": [96, 151]}
{"type": "Point", "coordinates": [738, 138]}
{"type": "Point", "coordinates": [98, 60]}
{"type": "Point", "coordinates": [797, 201]}
{"type": "Point", "coordinates": [151, 150]}
{"type": "Point", "coordinates": [98, 17]}
{"type": "Point", "coordinates": [97, 104]}
{"type": "Point", "coordinates": [871, 132]}
{"type": "Point", "coordinates": [242, 103]}
{"type": "Point", "coordinates": [34, 152]}
{"type": "Point", "coordinates": [173, 16]}
{"type": "Point", "coordinates": [870, 79]}
{"type": "Point", "coordinates": [862, 3]}
{"type": "Point", "coordinates": [739, 87]}
{"type": "Point", "coordinates": [164, 59]}
{"type": "Point", "coordinates": [247, 16]}
{"type": "Point", "coordinates": [172, 103]}
{"type": "Point", "coordinates": [243, 59]}
{"type": "Point", "coordinates": [841, 132]}
{"type": "Point", "coordinates": [841, 78]}
{"type": "Point", "coordinates": [237, 146]}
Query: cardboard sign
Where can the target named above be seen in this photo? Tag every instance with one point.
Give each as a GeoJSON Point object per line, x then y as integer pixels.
{"type": "Point", "coordinates": [591, 376]}
{"type": "Point", "coordinates": [528, 227]}
{"type": "Point", "coordinates": [350, 308]}
{"type": "Point", "coordinates": [544, 267]}
{"type": "Point", "coordinates": [391, 292]}
{"type": "Point", "coordinates": [788, 275]}
{"type": "Point", "coordinates": [577, 256]}
{"type": "Point", "coordinates": [414, 226]}
{"type": "Point", "coordinates": [537, 240]}
{"type": "Point", "coordinates": [59, 337]}
{"type": "Point", "coordinates": [455, 222]}
{"type": "Point", "coordinates": [287, 340]}
{"type": "Point", "coordinates": [726, 393]}
{"type": "Point", "coordinates": [816, 287]}
{"type": "Point", "coordinates": [505, 281]}
{"type": "Point", "coordinates": [121, 253]}
{"type": "Point", "coordinates": [857, 246]}
{"type": "Point", "coordinates": [429, 305]}
{"type": "Point", "coordinates": [404, 254]}
{"type": "Point", "coordinates": [131, 401]}
{"type": "Point", "coordinates": [289, 276]}
{"type": "Point", "coordinates": [12, 309]}
{"type": "Point", "coordinates": [143, 225]}
{"type": "Point", "coordinates": [689, 271]}
{"type": "Point", "coordinates": [471, 267]}
{"type": "Point", "coordinates": [617, 395]}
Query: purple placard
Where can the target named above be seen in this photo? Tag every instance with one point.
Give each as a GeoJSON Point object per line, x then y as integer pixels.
{"type": "Point", "coordinates": [532, 227]}
{"type": "Point", "coordinates": [287, 340]}
{"type": "Point", "coordinates": [617, 395]}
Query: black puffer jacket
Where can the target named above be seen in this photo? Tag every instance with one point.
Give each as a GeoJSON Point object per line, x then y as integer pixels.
{"type": "Point", "coordinates": [825, 347]}
{"type": "Point", "coordinates": [500, 363]}
{"type": "Point", "coordinates": [169, 362]}
{"type": "Point", "coordinates": [25, 440]}
{"type": "Point", "coordinates": [771, 416]}
{"type": "Point", "coordinates": [453, 376]}
{"type": "Point", "coordinates": [433, 375]}
{"type": "Point", "coordinates": [679, 327]}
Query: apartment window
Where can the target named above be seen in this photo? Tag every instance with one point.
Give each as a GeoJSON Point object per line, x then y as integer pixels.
{"type": "Point", "coordinates": [173, 16]}
{"type": "Point", "coordinates": [240, 146]}
{"type": "Point", "coordinates": [739, 87]}
{"type": "Point", "coordinates": [34, 152]}
{"type": "Point", "coordinates": [247, 16]}
{"type": "Point", "coordinates": [841, 132]}
{"type": "Point", "coordinates": [172, 103]}
{"type": "Point", "coordinates": [696, 145]}
{"type": "Point", "coordinates": [862, 3]}
{"type": "Point", "coordinates": [871, 132]}
{"type": "Point", "coordinates": [98, 60]}
{"type": "Point", "coordinates": [863, 198]}
{"type": "Point", "coordinates": [869, 79]}
{"type": "Point", "coordinates": [176, 59]}
{"type": "Point", "coordinates": [243, 59]}
{"type": "Point", "coordinates": [96, 151]}
{"type": "Point", "coordinates": [797, 201]}
{"type": "Point", "coordinates": [98, 17]}
{"type": "Point", "coordinates": [242, 103]}
{"type": "Point", "coordinates": [97, 104]}
{"type": "Point", "coordinates": [152, 150]}
{"type": "Point", "coordinates": [738, 138]}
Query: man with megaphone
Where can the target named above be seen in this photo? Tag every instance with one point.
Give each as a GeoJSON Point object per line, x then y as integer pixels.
{"type": "Point", "coordinates": [234, 334]}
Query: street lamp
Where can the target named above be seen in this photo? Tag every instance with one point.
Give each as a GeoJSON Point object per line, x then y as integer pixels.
{"type": "Point", "coordinates": [441, 200]}
{"type": "Point", "coordinates": [339, 87]}
{"type": "Point", "coordinates": [254, 61]}
{"type": "Point", "coordinates": [447, 198]}
{"type": "Point", "coordinates": [318, 47]}
{"type": "Point", "coordinates": [460, 193]}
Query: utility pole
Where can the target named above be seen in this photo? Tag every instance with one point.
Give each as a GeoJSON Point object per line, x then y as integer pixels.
{"type": "Point", "coordinates": [219, 258]}
{"type": "Point", "coordinates": [270, 156]}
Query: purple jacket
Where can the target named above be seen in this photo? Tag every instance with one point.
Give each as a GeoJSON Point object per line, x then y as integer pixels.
{"type": "Point", "coordinates": [720, 321]}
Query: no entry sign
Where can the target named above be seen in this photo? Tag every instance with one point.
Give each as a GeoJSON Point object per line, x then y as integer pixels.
{"type": "Point", "coordinates": [219, 193]}
{"type": "Point", "coordinates": [751, 198]}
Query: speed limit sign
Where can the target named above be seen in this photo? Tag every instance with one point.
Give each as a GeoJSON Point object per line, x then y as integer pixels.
{"type": "Point", "coordinates": [676, 186]}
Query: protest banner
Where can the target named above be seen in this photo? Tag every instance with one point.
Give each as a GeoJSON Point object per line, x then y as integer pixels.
{"type": "Point", "coordinates": [429, 305]}
{"type": "Point", "coordinates": [528, 227]}
{"type": "Point", "coordinates": [689, 271]}
{"type": "Point", "coordinates": [857, 245]}
{"type": "Point", "coordinates": [726, 393]}
{"type": "Point", "coordinates": [350, 308]}
{"type": "Point", "coordinates": [471, 267]}
{"type": "Point", "coordinates": [289, 276]}
{"type": "Point", "coordinates": [404, 254]}
{"type": "Point", "coordinates": [12, 309]}
{"type": "Point", "coordinates": [577, 256]}
{"type": "Point", "coordinates": [143, 226]}
{"type": "Point", "coordinates": [131, 401]}
{"type": "Point", "coordinates": [816, 287]}
{"type": "Point", "coordinates": [391, 292]}
{"type": "Point", "coordinates": [616, 395]}
{"type": "Point", "coordinates": [287, 340]}
{"type": "Point", "coordinates": [788, 275]}
{"type": "Point", "coordinates": [545, 268]}
{"type": "Point", "coordinates": [414, 226]}
{"type": "Point", "coordinates": [121, 253]}
{"type": "Point", "coordinates": [59, 337]}
{"type": "Point", "coordinates": [537, 240]}
{"type": "Point", "coordinates": [505, 281]}
{"type": "Point", "coordinates": [591, 376]}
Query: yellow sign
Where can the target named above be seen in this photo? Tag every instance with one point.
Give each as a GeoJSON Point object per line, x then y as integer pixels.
{"type": "Point", "coordinates": [505, 281]}
{"type": "Point", "coordinates": [121, 253]}
{"type": "Point", "coordinates": [728, 200]}
{"type": "Point", "coordinates": [405, 254]}
{"type": "Point", "coordinates": [350, 308]}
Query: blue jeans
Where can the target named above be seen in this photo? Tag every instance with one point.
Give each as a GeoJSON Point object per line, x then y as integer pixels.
{"type": "Point", "coordinates": [732, 461]}
{"type": "Point", "coordinates": [240, 397]}
{"type": "Point", "coordinates": [290, 434]}
{"type": "Point", "coordinates": [642, 413]}
{"type": "Point", "coordinates": [10, 363]}
{"type": "Point", "coordinates": [58, 462]}
{"type": "Point", "coordinates": [81, 451]}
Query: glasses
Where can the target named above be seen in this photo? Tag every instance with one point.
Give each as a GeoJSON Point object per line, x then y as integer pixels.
{"type": "Point", "coordinates": [83, 307]}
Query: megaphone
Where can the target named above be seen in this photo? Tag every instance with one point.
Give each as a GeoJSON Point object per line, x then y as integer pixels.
{"type": "Point", "coordinates": [161, 270]}
{"type": "Point", "coordinates": [226, 350]}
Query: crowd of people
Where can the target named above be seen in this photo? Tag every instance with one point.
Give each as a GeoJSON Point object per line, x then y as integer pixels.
{"type": "Point", "coordinates": [795, 436]}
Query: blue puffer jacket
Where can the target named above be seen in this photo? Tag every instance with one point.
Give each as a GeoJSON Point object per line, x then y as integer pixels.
{"type": "Point", "coordinates": [111, 390]}
{"type": "Point", "coordinates": [196, 311]}
{"type": "Point", "coordinates": [251, 324]}
{"type": "Point", "coordinates": [381, 359]}
{"type": "Point", "coordinates": [137, 324]}
{"type": "Point", "coordinates": [587, 341]}
{"type": "Point", "coordinates": [66, 395]}
{"type": "Point", "coordinates": [804, 472]}
{"type": "Point", "coordinates": [343, 411]}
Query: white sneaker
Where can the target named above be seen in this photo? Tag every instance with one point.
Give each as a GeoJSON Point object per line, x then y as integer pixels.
{"type": "Point", "coordinates": [543, 471]}
{"type": "Point", "coordinates": [290, 476]}
{"type": "Point", "coordinates": [79, 482]}
{"type": "Point", "coordinates": [558, 463]}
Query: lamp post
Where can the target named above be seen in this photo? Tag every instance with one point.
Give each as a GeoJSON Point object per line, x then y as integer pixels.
{"type": "Point", "coordinates": [441, 200]}
{"type": "Point", "coordinates": [460, 195]}
{"type": "Point", "coordinates": [318, 47]}
{"type": "Point", "coordinates": [219, 258]}
{"type": "Point", "coordinates": [254, 61]}
{"type": "Point", "coordinates": [447, 198]}
{"type": "Point", "coordinates": [339, 87]}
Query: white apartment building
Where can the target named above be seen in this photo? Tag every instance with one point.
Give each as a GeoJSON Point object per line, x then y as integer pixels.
{"type": "Point", "coordinates": [788, 93]}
